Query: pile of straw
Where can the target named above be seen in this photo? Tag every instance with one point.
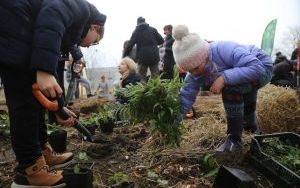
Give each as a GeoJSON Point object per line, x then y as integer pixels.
{"type": "Point", "coordinates": [88, 105]}
{"type": "Point", "coordinates": [207, 131]}
{"type": "Point", "coordinates": [278, 109]}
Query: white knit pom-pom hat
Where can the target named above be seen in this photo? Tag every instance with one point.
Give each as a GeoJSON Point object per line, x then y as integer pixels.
{"type": "Point", "coordinates": [189, 49]}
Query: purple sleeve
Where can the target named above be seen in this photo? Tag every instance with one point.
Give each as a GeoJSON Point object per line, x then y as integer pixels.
{"type": "Point", "coordinates": [189, 92]}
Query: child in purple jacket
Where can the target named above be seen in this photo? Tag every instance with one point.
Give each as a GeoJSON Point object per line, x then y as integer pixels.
{"type": "Point", "coordinates": [237, 71]}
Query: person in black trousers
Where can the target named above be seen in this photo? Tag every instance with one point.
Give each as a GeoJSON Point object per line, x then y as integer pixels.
{"type": "Point", "coordinates": [146, 39]}
{"type": "Point", "coordinates": [32, 35]}
{"type": "Point", "coordinates": [168, 59]}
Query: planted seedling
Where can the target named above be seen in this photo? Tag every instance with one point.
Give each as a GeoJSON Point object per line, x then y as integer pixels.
{"type": "Point", "coordinates": [82, 157]}
{"type": "Point", "coordinates": [117, 179]}
{"type": "Point", "coordinates": [91, 123]}
{"type": "Point", "coordinates": [211, 165]}
{"type": "Point", "coordinates": [79, 175]}
{"type": "Point", "coordinates": [157, 103]}
{"type": "Point", "coordinates": [53, 127]}
{"type": "Point", "coordinates": [155, 177]}
{"type": "Point", "coordinates": [106, 118]}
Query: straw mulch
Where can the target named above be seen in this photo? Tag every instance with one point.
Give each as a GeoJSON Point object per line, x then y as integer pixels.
{"type": "Point", "coordinates": [202, 135]}
{"type": "Point", "coordinates": [88, 105]}
{"type": "Point", "coordinates": [278, 109]}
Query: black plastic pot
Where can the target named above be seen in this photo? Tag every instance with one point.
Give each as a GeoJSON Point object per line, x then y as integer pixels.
{"type": "Point", "coordinates": [83, 179]}
{"type": "Point", "coordinates": [107, 127]}
{"type": "Point", "coordinates": [58, 140]}
{"type": "Point", "coordinates": [92, 128]}
{"type": "Point", "coordinates": [233, 178]}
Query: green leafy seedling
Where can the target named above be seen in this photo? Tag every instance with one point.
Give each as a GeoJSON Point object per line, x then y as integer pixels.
{"type": "Point", "coordinates": [118, 178]}
{"type": "Point", "coordinates": [82, 156]}
{"type": "Point", "coordinates": [52, 128]}
{"type": "Point", "coordinates": [154, 176]}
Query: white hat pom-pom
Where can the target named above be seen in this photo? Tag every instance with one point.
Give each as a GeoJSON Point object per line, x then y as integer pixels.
{"type": "Point", "coordinates": [180, 31]}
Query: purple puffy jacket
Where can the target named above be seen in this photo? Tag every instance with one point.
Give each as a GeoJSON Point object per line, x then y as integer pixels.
{"type": "Point", "coordinates": [236, 63]}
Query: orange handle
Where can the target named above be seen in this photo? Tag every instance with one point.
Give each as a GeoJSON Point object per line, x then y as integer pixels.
{"type": "Point", "coordinates": [50, 105]}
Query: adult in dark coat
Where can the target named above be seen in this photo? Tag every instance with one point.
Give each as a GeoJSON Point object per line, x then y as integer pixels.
{"type": "Point", "coordinates": [282, 74]}
{"type": "Point", "coordinates": [32, 36]}
{"type": "Point", "coordinates": [168, 59]}
{"type": "Point", "coordinates": [147, 40]}
{"type": "Point", "coordinates": [279, 58]}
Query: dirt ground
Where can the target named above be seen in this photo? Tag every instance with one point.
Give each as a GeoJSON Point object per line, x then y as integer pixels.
{"type": "Point", "coordinates": [133, 151]}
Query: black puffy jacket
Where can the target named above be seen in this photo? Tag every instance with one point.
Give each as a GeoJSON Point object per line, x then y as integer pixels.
{"type": "Point", "coordinates": [33, 33]}
{"type": "Point", "coordinates": [147, 40]}
{"type": "Point", "coordinates": [131, 79]}
{"type": "Point", "coordinates": [168, 57]}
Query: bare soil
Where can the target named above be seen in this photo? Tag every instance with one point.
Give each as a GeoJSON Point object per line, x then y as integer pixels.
{"type": "Point", "coordinates": [134, 151]}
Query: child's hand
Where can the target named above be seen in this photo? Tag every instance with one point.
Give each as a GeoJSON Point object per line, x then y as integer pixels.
{"type": "Point", "coordinates": [48, 84]}
{"type": "Point", "coordinates": [68, 122]}
{"type": "Point", "coordinates": [218, 85]}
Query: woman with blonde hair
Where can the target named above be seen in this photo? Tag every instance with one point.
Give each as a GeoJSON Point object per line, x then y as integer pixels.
{"type": "Point", "coordinates": [128, 71]}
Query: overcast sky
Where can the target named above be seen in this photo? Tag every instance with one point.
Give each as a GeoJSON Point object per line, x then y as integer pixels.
{"type": "Point", "coordinates": [242, 21]}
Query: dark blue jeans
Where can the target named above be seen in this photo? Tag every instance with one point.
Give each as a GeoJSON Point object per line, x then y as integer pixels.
{"type": "Point", "coordinates": [27, 122]}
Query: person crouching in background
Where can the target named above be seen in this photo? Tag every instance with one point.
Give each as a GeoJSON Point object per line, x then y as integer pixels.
{"type": "Point", "coordinates": [128, 71]}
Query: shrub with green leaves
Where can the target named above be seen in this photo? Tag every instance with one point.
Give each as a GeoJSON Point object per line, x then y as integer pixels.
{"type": "Point", "coordinates": [158, 103]}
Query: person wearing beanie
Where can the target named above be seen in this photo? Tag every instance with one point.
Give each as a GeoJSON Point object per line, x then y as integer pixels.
{"type": "Point", "coordinates": [33, 35]}
{"type": "Point", "coordinates": [237, 71]}
{"type": "Point", "coordinates": [146, 39]}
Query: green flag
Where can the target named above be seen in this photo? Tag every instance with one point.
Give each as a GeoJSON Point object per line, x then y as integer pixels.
{"type": "Point", "coordinates": [268, 37]}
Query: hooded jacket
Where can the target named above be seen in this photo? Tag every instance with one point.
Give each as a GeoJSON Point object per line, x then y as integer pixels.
{"type": "Point", "coordinates": [33, 33]}
{"type": "Point", "coordinates": [147, 40]}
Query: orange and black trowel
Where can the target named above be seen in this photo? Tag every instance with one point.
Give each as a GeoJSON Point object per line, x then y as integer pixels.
{"type": "Point", "coordinates": [57, 106]}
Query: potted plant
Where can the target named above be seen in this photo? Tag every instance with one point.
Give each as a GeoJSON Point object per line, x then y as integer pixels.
{"type": "Point", "coordinates": [106, 120]}
{"type": "Point", "coordinates": [80, 174]}
{"type": "Point", "coordinates": [120, 180]}
{"type": "Point", "coordinates": [91, 123]}
{"type": "Point", "coordinates": [57, 138]}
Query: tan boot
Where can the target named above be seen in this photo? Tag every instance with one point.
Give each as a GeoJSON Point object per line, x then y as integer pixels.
{"type": "Point", "coordinates": [56, 160]}
{"type": "Point", "coordinates": [38, 175]}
